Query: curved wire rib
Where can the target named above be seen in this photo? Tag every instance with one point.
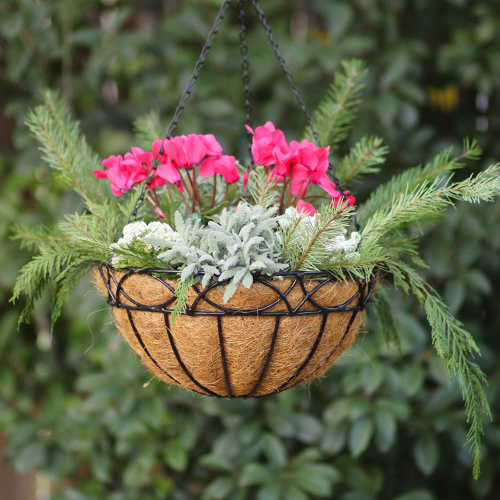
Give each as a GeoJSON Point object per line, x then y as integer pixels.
{"type": "Point", "coordinates": [141, 342]}
{"type": "Point", "coordinates": [223, 358]}
{"type": "Point", "coordinates": [181, 363]}
{"type": "Point", "coordinates": [268, 360]}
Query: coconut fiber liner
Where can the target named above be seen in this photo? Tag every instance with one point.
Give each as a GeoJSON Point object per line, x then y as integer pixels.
{"type": "Point", "coordinates": [281, 332]}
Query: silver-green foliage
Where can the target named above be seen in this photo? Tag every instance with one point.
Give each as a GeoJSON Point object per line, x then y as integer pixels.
{"type": "Point", "coordinates": [233, 246]}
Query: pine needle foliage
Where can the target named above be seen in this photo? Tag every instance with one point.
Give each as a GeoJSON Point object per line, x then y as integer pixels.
{"type": "Point", "coordinates": [65, 254]}
{"type": "Point", "coordinates": [429, 199]}
{"type": "Point", "coordinates": [335, 114]}
{"type": "Point", "coordinates": [364, 158]}
{"type": "Point", "coordinates": [443, 164]}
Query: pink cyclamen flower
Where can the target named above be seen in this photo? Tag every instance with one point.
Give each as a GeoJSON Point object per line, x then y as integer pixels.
{"type": "Point", "coordinates": [329, 186]}
{"type": "Point", "coordinates": [167, 172]}
{"type": "Point", "coordinates": [246, 175]}
{"type": "Point", "coordinates": [185, 152]}
{"type": "Point", "coordinates": [265, 139]}
{"type": "Point", "coordinates": [307, 208]}
{"type": "Point", "coordinates": [348, 202]}
{"type": "Point", "coordinates": [311, 162]}
{"type": "Point", "coordinates": [225, 166]}
{"type": "Point", "coordinates": [120, 175]}
{"type": "Point", "coordinates": [212, 145]}
{"type": "Point", "coordinates": [139, 158]}
{"type": "Point", "coordinates": [284, 157]}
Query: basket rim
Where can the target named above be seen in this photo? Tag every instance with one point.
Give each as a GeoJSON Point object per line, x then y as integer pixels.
{"type": "Point", "coordinates": [284, 274]}
{"type": "Point", "coordinates": [363, 294]}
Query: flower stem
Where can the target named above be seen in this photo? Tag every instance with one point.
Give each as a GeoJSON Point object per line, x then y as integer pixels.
{"type": "Point", "coordinates": [185, 202]}
{"type": "Point", "coordinates": [214, 192]}
{"type": "Point", "coordinates": [282, 197]}
{"type": "Point", "coordinates": [185, 184]}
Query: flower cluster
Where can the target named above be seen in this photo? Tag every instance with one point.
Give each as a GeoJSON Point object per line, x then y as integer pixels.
{"type": "Point", "coordinates": [136, 231]}
{"type": "Point", "coordinates": [292, 167]}
{"type": "Point", "coordinates": [300, 164]}
{"type": "Point", "coordinates": [184, 152]}
{"type": "Point", "coordinates": [345, 248]}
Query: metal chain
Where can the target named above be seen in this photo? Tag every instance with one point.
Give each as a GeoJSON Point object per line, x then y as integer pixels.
{"type": "Point", "coordinates": [245, 65]}
{"type": "Point", "coordinates": [288, 75]}
{"type": "Point", "coordinates": [180, 107]}
{"type": "Point", "coordinates": [295, 91]}
{"type": "Point", "coordinates": [247, 93]}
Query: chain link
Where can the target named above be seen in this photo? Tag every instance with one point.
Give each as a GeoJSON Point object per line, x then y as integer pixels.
{"type": "Point", "coordinates": [245, 66]}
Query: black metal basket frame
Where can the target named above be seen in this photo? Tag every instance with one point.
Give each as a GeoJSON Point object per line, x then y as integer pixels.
{"type": "Point", "coordinates": [354, 304]}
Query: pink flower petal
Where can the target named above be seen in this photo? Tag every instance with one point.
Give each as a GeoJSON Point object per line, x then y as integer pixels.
{"type": "Point", "coordinates": [348, 202]}
{"type": "Point", "coordinates": [307, 208]}
{"type": "Point", "coordinates": [207, 167]}
{"type": "Point", "coordinates": [212, 145]}
{"type": "Point", "coordinates": [195, 150]}
{"type": "Point", "coordinates": [329, 186]}
{"type": "Point", "coordinates": [101, 174]}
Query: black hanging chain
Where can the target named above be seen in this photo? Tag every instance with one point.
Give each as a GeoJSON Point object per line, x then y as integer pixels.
{"type": "Point", "coordinates": [180, 107]}
{"type": "Point", "coordinates": [295, 91]}
{"type": "Point", "coordinates": [288, 75]}
{"type": "Point", "coordinates": [247, 93]}
{"type": "Point", "coordinates": [245, 66]}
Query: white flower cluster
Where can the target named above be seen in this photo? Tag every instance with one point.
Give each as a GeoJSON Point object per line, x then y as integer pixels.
{"type": "Point", "coordinates": [291, 213]}
{"type": "Point", "coordinates": [138, 230]}
{"type": "Point", "coordinates": [345, 249]}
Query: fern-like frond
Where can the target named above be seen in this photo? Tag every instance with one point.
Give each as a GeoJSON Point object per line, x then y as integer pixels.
{"type": "Point", "coordinates": [454, 346]}
{"type": "Point", "coordinates": [64, 149]}
{"type": "Point", "coordinates": [35, 238]}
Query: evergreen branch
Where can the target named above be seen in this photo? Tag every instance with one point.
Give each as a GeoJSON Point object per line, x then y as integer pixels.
{"type": "Point", "coordinates": [427, 200]}
{"type": "Point", "coordinates": [64, 149]}
{"type": "Point", "coordinates": [453, 345]}
{"type": "Point", "coordinates": [34, 238]}
{"type": "Point", "coordinates": [334, 116]}
{"type": "Point", "coordinates": [330, 215]}
{"type": "Point", "coordinates": [442, 164]}
{"type": "Point", "coordinates": [70, 131]}
{"type": "Point", "coordinates": [361, 160]}
{"type": "Point", "coordinates": [385, 319]}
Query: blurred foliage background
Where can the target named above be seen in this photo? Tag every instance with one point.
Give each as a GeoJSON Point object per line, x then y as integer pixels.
{"type": "Point", "coordinates": [385, 423]}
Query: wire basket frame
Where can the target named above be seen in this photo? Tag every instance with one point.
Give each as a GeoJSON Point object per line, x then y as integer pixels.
{"type": "Point", "coordinates": [280, 306]}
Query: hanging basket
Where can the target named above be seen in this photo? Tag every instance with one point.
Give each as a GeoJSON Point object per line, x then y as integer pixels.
{"type": "Point", "coordinates": [285, 330]}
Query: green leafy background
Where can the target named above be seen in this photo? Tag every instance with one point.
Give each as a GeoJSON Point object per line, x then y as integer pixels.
{"type": "Point", "coordinates": [387, 422]}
